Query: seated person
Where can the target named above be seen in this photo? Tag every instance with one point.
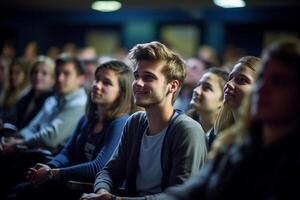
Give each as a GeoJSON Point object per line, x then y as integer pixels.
{"type": "Point", "coordinates": [51, 127]}
{"type": "Point", "coordinates": [95, 139]}
{"type": "Point", "coordinates": [208, 97]}
{"type": "Point", "coordinates": [41, 82]}
{"type": "Point", "coordinates": [259, 158]}
{"type": "Point", "coordinates": [160, 147]}
{"type": "Point", "coordinates": [241, 79]}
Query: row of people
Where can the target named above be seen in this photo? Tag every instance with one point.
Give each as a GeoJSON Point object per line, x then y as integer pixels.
{"type": "Point", "coordinates": [158, 95]}
{"type": "Point", "coordinates": [162, 148]}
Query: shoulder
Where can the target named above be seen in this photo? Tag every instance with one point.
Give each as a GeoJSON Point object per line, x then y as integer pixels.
{"type": "Point", "coordinates": [185, 128]}
{"type": "Point", "coordinates": [185, 122]}
{"type": "Point", "coordinates": [78, 98]}
{"type": "Point", "coordinates": [138, 117]}
{"type": "Point", "coordinates": [119, 120]}
{"type": "Point", "coordinates": [51, 101]}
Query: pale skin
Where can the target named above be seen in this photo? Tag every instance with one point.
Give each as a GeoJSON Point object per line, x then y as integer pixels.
{"type": "Point", "coordinates": [152, 92]}
{"type": "Point", "coordinates": [207, 99]}
{"type": "Point", "coordinates": [105, 91]}
{"type": "Point", "coordinates": [67, 81]}
{"type": "Point", "coordinates": [238, 86]}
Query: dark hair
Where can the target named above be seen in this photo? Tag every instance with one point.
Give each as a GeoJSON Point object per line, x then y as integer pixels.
{"type": "Point", "coordinates": [124, 104]}
{"type": "Point", "coordinates": [287, 52]}
{"type": "Point", "coordinates": [67, 58]}
{"type": "Point", "coordinates": [223, 74]}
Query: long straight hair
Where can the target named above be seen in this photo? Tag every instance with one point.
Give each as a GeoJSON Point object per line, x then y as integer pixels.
{"type": "Point", "coordinates": [124, 104]}
{"type": "Point", "coordinates": [225, 117]}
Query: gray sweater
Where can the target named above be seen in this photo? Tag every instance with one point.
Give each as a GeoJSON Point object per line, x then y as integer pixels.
{"type": "Point", "coordinates": [183, 153]}
{"type": "Point", "coordinates": [57, 120]}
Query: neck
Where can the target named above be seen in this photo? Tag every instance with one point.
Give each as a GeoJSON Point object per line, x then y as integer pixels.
{"type": "Point", "coordinates": [101, 112]}
{"type": "Point", "coordinates": [207, 120]}
{"type": "Point", "coordinates": [158, 118]}
{"type": "Point", "coordinates": [235, 114]}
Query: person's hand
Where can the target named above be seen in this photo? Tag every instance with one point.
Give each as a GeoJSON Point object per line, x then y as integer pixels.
{"type": "Point", "coordinates": [38, 175]}
{"type": "Point", "coordinates": [102, 194]}
{"type": "Point", "coordinates": [94, 196]}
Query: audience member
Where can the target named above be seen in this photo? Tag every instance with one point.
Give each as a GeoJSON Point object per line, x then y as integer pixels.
{"type": "Point", "coordinates": [208, 97]}
{"type": "Point", "coordinates": [263, 162]}
{"type": "Point", "coordinates": [51, 127]}
{"type": "Point", "coordinates": [159, 147]}
{"type": "Point", "coordinates": [194, 71]}
{"type": "Point", "coordinates": [42, 81]}
{"type": "Point", "coordinates": [93, 142]}
{"type": "Point", "coordinates": [236, 89]}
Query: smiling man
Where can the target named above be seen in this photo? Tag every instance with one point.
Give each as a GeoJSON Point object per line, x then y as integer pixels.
{"type": "Point", "coordinates": [159, 147]}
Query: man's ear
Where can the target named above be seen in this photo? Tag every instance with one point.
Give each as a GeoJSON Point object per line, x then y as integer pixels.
{"type": "Point", "coordinates": [173, 86]}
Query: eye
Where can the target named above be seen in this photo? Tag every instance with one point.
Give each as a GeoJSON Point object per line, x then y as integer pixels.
{"type": "Point", "coordinates": [107, 82]}
{"type": "Point", "coordinates": [136, 76]}
{"type": "Point", "coordinates": [242, 80]}
{"type": "Point", "coordinates": [206, 87]}
{"type": "Point", "coordinates": [148, 78]}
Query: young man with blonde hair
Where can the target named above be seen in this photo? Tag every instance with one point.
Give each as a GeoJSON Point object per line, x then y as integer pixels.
{"type": "Point", "coordinates": [159, 147]}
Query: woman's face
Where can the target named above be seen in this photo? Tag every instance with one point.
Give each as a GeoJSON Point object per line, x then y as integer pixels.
{"type": "Point", "coordinates": [239, 85]}
{"type": "Point", "coordinates": [105, 88]}
{"type": "Point", "coordinates": [207, 96]}
{"type": "Point", "coordinates": [42, 79]}
{"type": "Point", "coordinates": [17, 76]}
{"type": "Point", "coordinates": [276, 94]}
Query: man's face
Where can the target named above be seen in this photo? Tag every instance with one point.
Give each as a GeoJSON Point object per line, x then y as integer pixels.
{"type": "Point", "coordinates": [150, 86]}
{"type": "Point", "coordinates": [67, 78]}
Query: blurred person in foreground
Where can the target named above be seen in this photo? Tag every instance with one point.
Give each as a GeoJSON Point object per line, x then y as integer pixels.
{"type": "Point", "coordinates": [258, 158]}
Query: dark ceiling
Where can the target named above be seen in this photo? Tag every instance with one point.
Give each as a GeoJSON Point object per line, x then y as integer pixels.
{"type": "Point", "coordinates": [60, 5]}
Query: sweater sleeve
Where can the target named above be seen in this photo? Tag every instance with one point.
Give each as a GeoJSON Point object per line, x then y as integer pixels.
{"type": "Point", "coordinates": [188, 151]}
{"type": "Point", "coordinates": [115, 170]}
{"type": "Point", "coordinates": [64, 158]}
{"type": "Point", "coordinates": [87, 171]}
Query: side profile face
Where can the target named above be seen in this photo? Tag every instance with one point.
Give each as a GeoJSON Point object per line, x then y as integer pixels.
{"type": "Point", "coordinates": [239, 85]}
{"type": "Point", "coordinates": [276, 94]}
{"type": "Point", "coordinates": [17, 76]}
{"type": "Point", "coordinates": [150, 86]}
{"type": "Point", "coordinates": [67, 78]}
{"type": "Point", "coordinates": [42, 77]}
{"type": "Point", "coordinates": [105, 89]}
{"type": "Point", "coordinates": [207, 96]}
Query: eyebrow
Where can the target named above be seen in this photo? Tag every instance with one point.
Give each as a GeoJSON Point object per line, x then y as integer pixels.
{"type": "Point", "coordinates": [246, 77]}
{"type": "Point", "coordinates": [146, 73]}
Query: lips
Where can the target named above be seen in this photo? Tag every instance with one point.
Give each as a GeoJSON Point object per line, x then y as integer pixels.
{"type": "Point", "coordinates": [96, 94]}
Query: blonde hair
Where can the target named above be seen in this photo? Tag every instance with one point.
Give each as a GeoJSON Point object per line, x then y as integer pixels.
{"type": "Point", "coordinates": [232, 133]}
{"type": "Point", "coordinates": [47, 61]}
{"type": "Point", "coordinates": [174, 69]}
{"type": "Point", "coordinates": [225, 117]}
{"type": "Point", "coordinates": [288, 53]}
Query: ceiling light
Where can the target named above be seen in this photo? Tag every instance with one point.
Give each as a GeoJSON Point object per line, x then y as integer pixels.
{"type": "Point", "coordinates": [230, 3]}
{"type": "Point", "coordinates": [106, 6]}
